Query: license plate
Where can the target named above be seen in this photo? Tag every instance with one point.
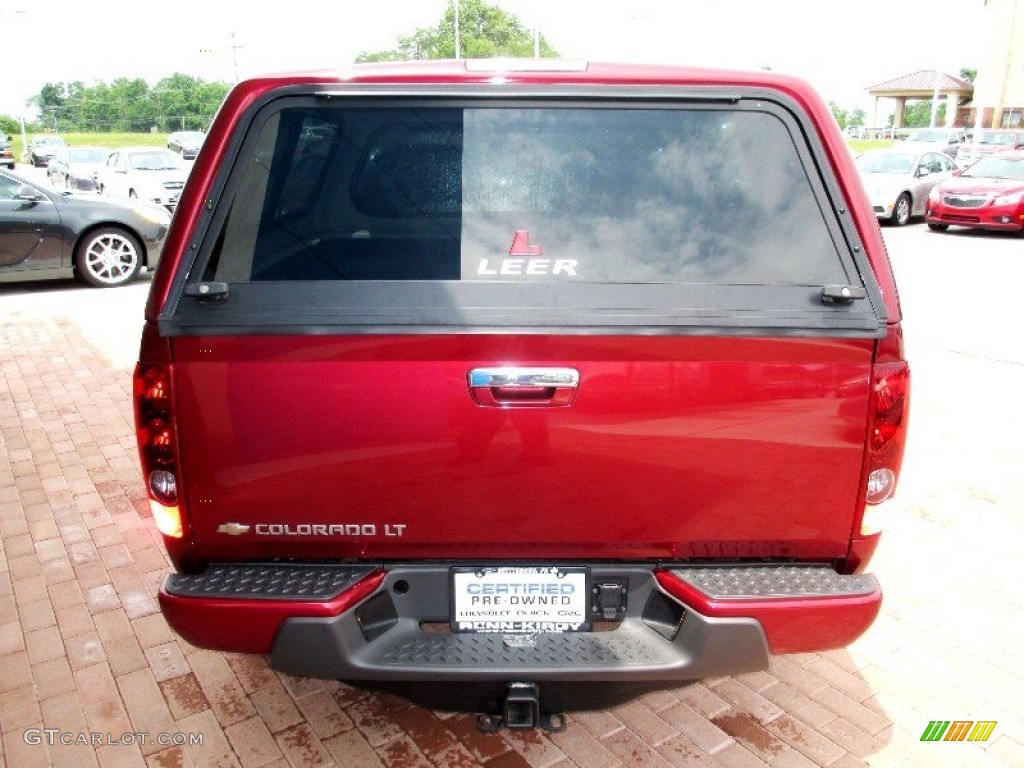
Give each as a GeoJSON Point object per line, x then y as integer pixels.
{"type": "Point", "coordinates": [519, 600]}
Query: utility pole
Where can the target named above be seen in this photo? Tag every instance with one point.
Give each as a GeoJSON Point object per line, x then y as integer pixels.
{"type": "Point", "coordinates": [24, 140]}
{"type": "Point", "coordinates": [234, 54]}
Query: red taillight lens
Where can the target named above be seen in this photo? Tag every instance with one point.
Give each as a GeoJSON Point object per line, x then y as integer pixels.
{"type": "Point", "coordinates": [890, 393]}
{"type": "Point", "coordinates": [157, 442]}
{"type": "Point", "coordinates": [154, 430]}
{"type": "Point", "coordinates": [160, 442]}
{"type": "Point", "coordinates": [156, 388]}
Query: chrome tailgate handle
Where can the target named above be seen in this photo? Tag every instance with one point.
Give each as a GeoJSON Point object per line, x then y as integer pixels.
{"type": "Point", "coordinates": [524, 387]}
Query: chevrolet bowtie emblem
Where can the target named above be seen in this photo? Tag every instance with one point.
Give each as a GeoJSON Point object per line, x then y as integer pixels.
{"type": "Point", "coordinates": [233, 529]}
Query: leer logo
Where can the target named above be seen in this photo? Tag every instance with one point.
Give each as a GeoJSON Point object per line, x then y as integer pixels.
{"type": "Point", "coordinates": [958, 730]}
{"type": "Point", "coordinates": [525, 258]}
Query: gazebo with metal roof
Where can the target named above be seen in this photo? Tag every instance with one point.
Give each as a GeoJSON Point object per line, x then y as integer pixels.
{"type": "Point", "coordinates": [923, 84]}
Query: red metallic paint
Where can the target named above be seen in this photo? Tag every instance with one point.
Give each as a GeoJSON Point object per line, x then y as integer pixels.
{"type": "Point", "coordinates": [249, 626]}
{"type": "Point", "coordinates": [792, 625]}
{"type": "Point", "coordinates": [674, 447]}
{"type": "Point", "coordinates": [862, 549]}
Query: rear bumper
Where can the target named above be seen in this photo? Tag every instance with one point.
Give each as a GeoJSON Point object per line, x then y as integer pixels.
{"type": "Point", "coordinates": [373, 624]}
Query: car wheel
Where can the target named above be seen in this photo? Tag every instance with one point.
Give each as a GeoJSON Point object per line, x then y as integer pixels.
{"type": "Point", "coordinates": [901, 211]}
{"type": "Point", "coordinates": [937, 227]}
{"type": "Point", "coordinates": [107, 257]}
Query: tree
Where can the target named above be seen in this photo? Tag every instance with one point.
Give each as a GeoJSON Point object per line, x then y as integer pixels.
{"type": "Point", "coordinates": [918, 114]}
{"type": "Point", "coordinates": [134, 107]}
{"type": "Point", "coordinates": [9, 125]}
{"type": "Point", "coordinates": [839, 114]}
{"type": "Point", "coordinates": [129, 104]}
{"type": "Point", "coordinates": [485, 32]}
{"type": "Point", "coordinates": [185, 102]}
{"type": "Point", "coordinates": [968, 74]}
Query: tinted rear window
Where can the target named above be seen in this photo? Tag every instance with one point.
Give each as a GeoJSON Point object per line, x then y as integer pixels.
{"type": "Point", "coordinates": [482, 213]}
{"type": "Point", "coordinates": [596, 195]}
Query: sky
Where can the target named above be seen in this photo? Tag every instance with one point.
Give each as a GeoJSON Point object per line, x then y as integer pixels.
{"type": "Point", "coordinates": [840, 48]}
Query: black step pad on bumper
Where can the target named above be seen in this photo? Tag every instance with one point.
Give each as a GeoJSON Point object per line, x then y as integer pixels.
{"type": "Point", "coordinates": [393, 636]}
{"type": "Point", "coordinates": [269, 581]}
{"type": "Point", "coordinates": [760, 582]}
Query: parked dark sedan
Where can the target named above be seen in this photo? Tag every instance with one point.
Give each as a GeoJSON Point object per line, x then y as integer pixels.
{"type": "Point", "coordinates": [46, 234]}
{"type": "Point", "coordinates": [75, 168]}
{"type": "Point", "coordinates": [186, 143]}
{"type": "Point", "coordinates": [6, 152]}
{"type": "Point", "coordinates": [42, 149]}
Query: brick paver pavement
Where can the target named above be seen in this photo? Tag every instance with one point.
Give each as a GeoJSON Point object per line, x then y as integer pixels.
{"type": "Point", "coordinates": [85, 653]}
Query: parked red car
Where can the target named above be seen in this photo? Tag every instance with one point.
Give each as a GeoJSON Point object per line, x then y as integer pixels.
{"type": "Point", "coordinates": [987, 141]}
{"type": "Point", "coordinates": [988, 195]}
{"type": "Point", "coordinates": [522, 376]}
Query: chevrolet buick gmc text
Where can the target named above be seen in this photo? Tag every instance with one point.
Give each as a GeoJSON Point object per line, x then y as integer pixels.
{"type": "Point", "coordinates": [522, 373]}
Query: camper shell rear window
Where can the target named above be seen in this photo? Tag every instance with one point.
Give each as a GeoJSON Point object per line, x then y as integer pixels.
{"type": "Point", "coordinates": [406, 214]}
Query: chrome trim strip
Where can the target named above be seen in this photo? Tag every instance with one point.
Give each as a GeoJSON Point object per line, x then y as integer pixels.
{"type": "Point", "coordinates": [524, 377]}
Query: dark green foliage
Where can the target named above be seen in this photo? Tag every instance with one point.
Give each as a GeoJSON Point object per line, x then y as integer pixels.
{"type": "Point", "coordinates": [178, 102]}
{"type": "Point", "coordinates": [486, 31]}
{"type": "Point", "coordinates": [8, 125]}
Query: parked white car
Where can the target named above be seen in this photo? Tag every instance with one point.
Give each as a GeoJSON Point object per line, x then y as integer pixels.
{"type": "Point", "coordinates": [153, 174]}
{"type": "Point", "coordinates": [898, 180]}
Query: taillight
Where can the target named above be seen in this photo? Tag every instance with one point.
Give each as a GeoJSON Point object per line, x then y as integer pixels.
{"type": "Point", "coordinates": [890, 389]}
{"type": "Point", "coordinates": [890, 399]}
{"type": "Point", "coordinates": [154, 430]}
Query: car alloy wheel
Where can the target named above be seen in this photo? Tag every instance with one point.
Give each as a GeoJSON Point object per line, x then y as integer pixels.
{"type": "Point", "coordinates": [108, 257]}
{"type": "Point", "coordinates": [901, 210]}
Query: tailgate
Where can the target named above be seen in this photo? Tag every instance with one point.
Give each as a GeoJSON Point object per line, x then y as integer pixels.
{"type": "Point", "coordinates": [376, 447]}
{"type": "Point", "coordinates": [687, 254]}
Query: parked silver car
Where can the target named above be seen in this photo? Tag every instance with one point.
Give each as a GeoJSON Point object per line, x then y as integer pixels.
{"type": "Point", "coordinates": [898, 180]}
{"type": "Point", "coordinates": [945, 140]}
{"type": "Point", "coordinates": [153, 174]}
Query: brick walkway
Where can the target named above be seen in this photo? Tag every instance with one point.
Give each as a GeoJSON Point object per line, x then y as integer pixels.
{"type": "Point", "coordinates": [84, 649]}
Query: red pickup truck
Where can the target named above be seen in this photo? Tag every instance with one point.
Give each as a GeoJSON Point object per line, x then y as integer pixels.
{"type": "Point", "coordinates": [518, 373]}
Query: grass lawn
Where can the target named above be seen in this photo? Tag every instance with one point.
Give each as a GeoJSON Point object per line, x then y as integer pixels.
{"type": "Point", "coordinates": [863, 145]}
{"type": "Point", "coordinates": [111, 140]}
